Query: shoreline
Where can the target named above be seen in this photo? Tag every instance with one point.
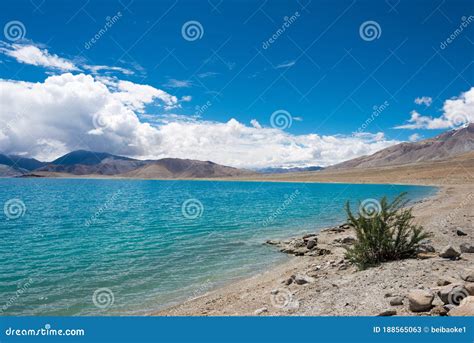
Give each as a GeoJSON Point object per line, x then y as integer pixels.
{"type": "Point", "coordinates": [259, 294]}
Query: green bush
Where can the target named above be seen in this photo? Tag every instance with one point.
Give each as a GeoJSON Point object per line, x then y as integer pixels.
{"type": "Point", "coordinates": [385, 232]}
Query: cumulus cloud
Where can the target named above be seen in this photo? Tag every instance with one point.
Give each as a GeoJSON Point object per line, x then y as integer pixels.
{"type": "Point", "coordinates": [69, 112]}
{"type": "Point", "coordinates": [456, 112]}
{"type": "Point", "coordinates": [414, 137]}
{"type": "Point", "coordinates": [31, 54]}
{"type": "Point", "coordinates": [424, 100]}
{"type": "Point", "coordinates": [173, 83]}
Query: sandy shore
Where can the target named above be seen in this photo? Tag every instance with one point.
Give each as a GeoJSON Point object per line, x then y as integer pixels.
{"type": "Point", "coordinates": [336, 287]}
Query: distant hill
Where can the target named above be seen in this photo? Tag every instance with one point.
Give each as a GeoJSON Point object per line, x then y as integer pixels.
{"type": "Point", "coordinates": [441, 147]}
{"type": "Point", "coordinates": [289, 170]}
{"type": "Point", "coordinates": [84, 163]}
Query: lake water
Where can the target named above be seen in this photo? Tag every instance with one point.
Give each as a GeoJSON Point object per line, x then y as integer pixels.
{"type": "Point", "coordinates": [117, 247]}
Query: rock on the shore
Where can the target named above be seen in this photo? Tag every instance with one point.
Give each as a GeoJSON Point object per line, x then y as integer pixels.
{"type": "Point", "coordinates": [310, 244]}
{"type": "Point", "coordinates": [260, 311]}
{"type": "Point", "coordinates": [466, 308]}
{"type": "Point", "coordinates": [386, 313]}
{"type": "Point", "coordinates": [420, 300]}
{"type": "Point", "coordinates": [460, 232]}
{"type": "Point", "coordinates": [449, 252]}
{"type": "Point", "coordinates": [302, 279]}
{"type": "Point", "coordinates": [452, 293]}
{"type": "Point", "coordinates": [397, 301]}
{"type": "Point", "coordinates": [468, 275]}
{"type": "Point", "coordinates": [467, 248]}
{"type": "Point", "coordinates": [444, 281]}
{"type": "Point", "coordinates": [425, 247]}
{"type": "Point", "coordinates": [439, 311]}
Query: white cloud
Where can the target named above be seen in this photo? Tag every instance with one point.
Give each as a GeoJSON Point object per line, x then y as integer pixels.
{"type": "Point", "coordinates": [285, 64]}
{"type": "Point", "coordinates": [173, 83]}
{"type": "Point", "coordinates": [424, 100]}
{"type": "Point", "coordinates": [186, 98]}
{"type": "Point", "coordinates": [255, 124]}
{"type": "Point", "coordinates": [95, 69]}
{"type": "Point", "coordinates": [414, 137]}
{"type": "Point", "coordinates": [68, 112]}
{"type": "Point", "coordinates": [456, 112]}
{"type": "Point", "coordinates": [31, 54]}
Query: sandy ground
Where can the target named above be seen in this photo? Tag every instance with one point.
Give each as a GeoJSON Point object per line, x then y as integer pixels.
{"type": "Point", "coordinates": [336, 290]}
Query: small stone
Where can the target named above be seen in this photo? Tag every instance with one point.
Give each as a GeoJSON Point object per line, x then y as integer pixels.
{"type": "Point", "coordinates": [425, 246]}
{"type": "Point", "coordinates": [438, 311]}
{"type": "Point", "coordinates": [467, 248]}
{"type": "Point", "coordinates": [387, 313]}
{"type": "Point", "coordinates": [425, 255]}
{"type": "Point", "coordinates": [388, 295]}
{"type": "Point", "coordinates": [302, 279]}
{"type": "Point", "coordinates": [311, 243]}
{"type": "Point", "coordinates": [452, 294]}
{"type": "Point", "coordinates": [348, 240]}
{"type": "Point", "coordinates": [449, 252]}
{"type": "Point", "coordinates": [274, 291]}
{"type": "Point", "coordinates": [465, 308]}
{"type": "Point", "coordinates": [460, 232]}
{"type": "Point", "coordinates": [288, 281]}
{"type": "Point", "coordinates": [260, 311]}
{"type": "Point", "coordinates": [469, 286]}
{"type": "Point", "coordinates": [397, 301]}
{"type": "Point", "coordinates": [445, 281]}
{"type": "Point", "coordinates": [468, 275]}
{"type": "Point", "coordinates": [420, 300]}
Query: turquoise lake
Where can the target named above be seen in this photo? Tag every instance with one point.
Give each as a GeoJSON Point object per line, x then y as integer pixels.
{"type": "Point", "coordinates": [150, 244]}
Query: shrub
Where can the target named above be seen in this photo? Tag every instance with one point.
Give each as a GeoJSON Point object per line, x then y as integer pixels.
{"type": "Point", "coordinates": [386, 233]}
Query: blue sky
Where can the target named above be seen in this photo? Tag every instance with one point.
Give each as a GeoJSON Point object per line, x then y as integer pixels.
{"type": "Point", "coordinates": [320, 70]}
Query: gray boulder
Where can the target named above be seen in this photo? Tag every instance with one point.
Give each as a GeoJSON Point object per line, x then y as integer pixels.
{"type": "Point", "coordinates": [449, 252]}
{"type": "Point", "coordinates": [420, 300]}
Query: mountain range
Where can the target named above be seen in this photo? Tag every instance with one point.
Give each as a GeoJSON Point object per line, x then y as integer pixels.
{"type": "Point", "coordinates": [100, 164]}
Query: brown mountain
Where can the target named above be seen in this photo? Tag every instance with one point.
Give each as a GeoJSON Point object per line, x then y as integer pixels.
{"type": "Point", "coordinates": [441, 147]}
{"type": "Point", "coordinates": [84, 163]}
